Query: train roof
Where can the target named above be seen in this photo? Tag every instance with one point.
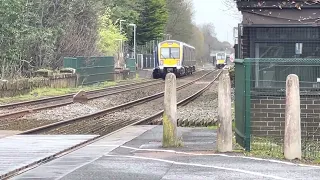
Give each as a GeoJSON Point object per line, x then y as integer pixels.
{"type": "Point", "coordinates": [184, 44]}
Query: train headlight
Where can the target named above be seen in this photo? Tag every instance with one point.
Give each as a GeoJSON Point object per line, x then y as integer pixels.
{"type": "Point", "coordinates": [161, 62]}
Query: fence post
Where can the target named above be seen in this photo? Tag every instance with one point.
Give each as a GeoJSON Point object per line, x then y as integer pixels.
{"type": "Point", "coordinates": [292, 132]}
{"type": "Point", "coordinates": [170, 112]}
{"type": "Point", "coordinates": [224, 134]}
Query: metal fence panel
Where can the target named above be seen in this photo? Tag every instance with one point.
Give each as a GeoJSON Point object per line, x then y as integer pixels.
{"type": "Point", "coordinates": [92, 69]}
{"type": "Point", "coordinates": [239, 103]}
{"type": "Point", "coordinates": [265, 82]}
{"type": "Point", "coordinates": [70, 62]}
{"type": "Point", "coordinates": [148, 61]}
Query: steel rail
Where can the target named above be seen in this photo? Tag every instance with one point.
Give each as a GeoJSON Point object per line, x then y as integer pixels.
{"type": "Point", "coordinates": [42, 100]}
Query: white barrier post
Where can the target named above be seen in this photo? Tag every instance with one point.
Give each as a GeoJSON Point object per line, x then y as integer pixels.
{"type": "Point", "coordinates": [292, 133]}
{"type": "Point", "coordinates": [170, 112]}
{"type": "Point", "coordinates": [224, 133]}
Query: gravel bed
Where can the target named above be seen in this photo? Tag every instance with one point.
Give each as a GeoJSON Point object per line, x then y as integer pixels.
{"type": "Point", "coordinates": [49, 116]}
{"type": "Point", "coordinates": [124, 117]}
{"type": "Point", "coordinates": [202, 111]}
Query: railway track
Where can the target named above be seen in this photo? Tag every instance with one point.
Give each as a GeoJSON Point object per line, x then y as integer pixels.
{"type": "Point", "coordinates": [22, 108]}
{"type": "Point", "coordinates": [45, 117]}
{"type": "Point", "coordinates": [100, 115]}
{"type": "Point", "coordinates": [106, 127]}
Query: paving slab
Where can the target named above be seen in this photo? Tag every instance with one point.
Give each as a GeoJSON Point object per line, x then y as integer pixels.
{"type": "Point", "coordinates": [18, 151]}
{"type": "Point", "coordinates": [142, 157]}
{"type": "Point", "coordinates": [64, 165]}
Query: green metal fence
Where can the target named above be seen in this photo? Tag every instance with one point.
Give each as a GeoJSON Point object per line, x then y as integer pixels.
{"type": "Point", "coordinates": [242, 129]}
{"type": "Point", "coordinates": [260, 104]}
{"type": "Point", "coordinates": [131, 64]}
{"type": "Point", "coordinates": [91, 69]}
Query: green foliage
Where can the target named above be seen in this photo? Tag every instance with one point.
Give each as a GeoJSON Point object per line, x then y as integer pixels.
{"type": "Point", "coordinates": [109, 35]}
{"type": "Point", "coordinates": [37, 34]}
{"type": "Point", "coordinates": [152, 21]}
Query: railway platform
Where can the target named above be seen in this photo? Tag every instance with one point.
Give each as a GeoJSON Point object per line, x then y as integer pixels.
{"type": "Point", "coordinates": [20, 151]}
{"type": "Point", "coordinates": [136, 153]}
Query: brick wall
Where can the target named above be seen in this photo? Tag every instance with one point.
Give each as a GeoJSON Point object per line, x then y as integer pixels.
{"type": "Point", "coordinates": [268, 116]}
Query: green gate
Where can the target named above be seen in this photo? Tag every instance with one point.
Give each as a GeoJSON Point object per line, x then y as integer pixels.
{"type": "Point", "coordinates": [242, 103]}
{"type": "Point", "coordinates": [91, 69]}
{"type": "Point", "coordinates": [131, 64]}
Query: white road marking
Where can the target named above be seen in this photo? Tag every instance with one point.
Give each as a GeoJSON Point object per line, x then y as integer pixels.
{"type": "Point", "coordinates": [223, 155]}
{"type": "Point", "coordinates": [199, 165]}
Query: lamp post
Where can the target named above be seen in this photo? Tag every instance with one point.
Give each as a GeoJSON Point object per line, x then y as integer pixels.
{"type": "Point", "coordinates": [169, 36]}
{"type": "Point", "coordinates": [121, 44]}
{"type": "Point", "coordinates": [134, 39]}
{"type": "Point", "coordinates": [121, 25]}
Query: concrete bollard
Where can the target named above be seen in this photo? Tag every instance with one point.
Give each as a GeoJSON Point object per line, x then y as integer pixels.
{"type": "Point", "coordinates": [170, 112]}
{"type": "Point", "coordinates": [224, 133]}
{"type": "Point", "coordinates": [292, 132]}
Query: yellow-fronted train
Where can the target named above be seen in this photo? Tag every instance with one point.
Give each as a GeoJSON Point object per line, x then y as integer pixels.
{"type": "Point", "coordinates": [175, 57]}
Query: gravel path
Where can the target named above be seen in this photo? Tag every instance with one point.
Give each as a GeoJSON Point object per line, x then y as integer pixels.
{"type": "Point", "coordinates": [127, 116]}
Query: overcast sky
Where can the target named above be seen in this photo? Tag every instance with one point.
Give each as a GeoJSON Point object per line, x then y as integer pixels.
{"type": "Point", "coordinates": [216, 12]}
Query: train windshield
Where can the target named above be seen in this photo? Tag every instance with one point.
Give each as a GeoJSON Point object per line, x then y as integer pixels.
{"type": "Point", "coordinates": [175, 53]}
{"type": "Point", "coordinates": [220, 56]}
{"type": "Point", "coordinates": [167, 53]}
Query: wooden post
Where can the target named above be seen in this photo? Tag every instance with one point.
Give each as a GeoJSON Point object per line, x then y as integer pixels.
{"type": "Point", "coordinates": [292, 133]}
{"type": "Point", "coordinates": [224, 133]}
{"type": "Point", "coordinates": [170, 112]}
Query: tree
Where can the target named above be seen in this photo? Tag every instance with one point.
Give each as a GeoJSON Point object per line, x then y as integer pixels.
{"type": "Point", "coordinates": [197, 41]}
{"type": "Point", "coordinates": [209, 34]}
{"type": "Point", "coordinates": [152, 20]}
{"type": "Point", "coordinates": [231, 8]}
{"type": "Point", "coordinates": [179, 23]}
{"type": "Point", "coordinates": [108, 34]}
